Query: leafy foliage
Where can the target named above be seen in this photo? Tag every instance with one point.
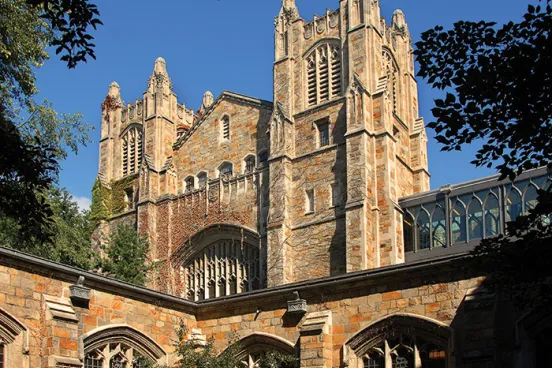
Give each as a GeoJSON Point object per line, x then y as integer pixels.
{"type": "Point", "coordinates": [127, 256]}
{"type": "Point", "coordinates": [68, 226]}
{"type": "Point", "coordinates": [70, 21]}
{"type": "Point", "coordinates": [498, 84]}
{"type": "Point", "coordinates": [25, 170]}
{"type": "Point", "coordinates": [31, 149]}
{"type": "Point", "coordinates": [191, 355]}
{"type": "Point", "coordinates": [100, 207]}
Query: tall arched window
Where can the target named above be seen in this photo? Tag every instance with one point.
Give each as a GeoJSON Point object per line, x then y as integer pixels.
{"type": "Point", "coordinates": [424, 232]}
{"type": "Point", "coordinates": [529, 199]}
{"type": "Point", "coordinates": [439, 233]}
{"type": "Point", "coordinates": [225, 267]}
{"type": "Point", "coordinates": [458, 222]}
{"type": "Point", "coordinates": [513, 205]}
{"type": "Point", "coordinates": [492, 216]}
{"type": "Point", "coordinates": [323, 74]}
{"type": "Point", "coordinates": [120, 346]}
{"type": "Point", "coordinates": [132, 150]}
{"type": "Point", "coordinates": [475, 219]}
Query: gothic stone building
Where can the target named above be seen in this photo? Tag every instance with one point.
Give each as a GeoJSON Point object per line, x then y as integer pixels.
{"type": "Point", "coordinates": [304, 225]}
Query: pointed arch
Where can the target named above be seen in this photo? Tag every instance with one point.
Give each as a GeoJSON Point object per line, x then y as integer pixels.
{"type": "Point", "coordinates": [424, 231]}
{"type": "Point", "coordinates": [254, 345]}
{"type": "Point", "coordinates": [99, 338]}
{"type": "Point", "coordinates": [475, 218]}
{"type": "Point", "coordinates": [513, 204]}
{"type": "Point", "coordinates": [14, 340]}
{"type": "Point", "coordinates": [492, 215]}
{"type": "Point", "coordinates": [530, 198]}
{"type": "Point", "coordinates": [418, 330]}
{"type": "Point", "coordinates": [438, 227]}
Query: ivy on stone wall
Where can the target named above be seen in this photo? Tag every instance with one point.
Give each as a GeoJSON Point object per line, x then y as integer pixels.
{"type": "Point", "coordinates": [99, 209]}
{"type": "Point", "coordinates": [118, 189]}
{"type": "Point", "coordinates": [109, 201]}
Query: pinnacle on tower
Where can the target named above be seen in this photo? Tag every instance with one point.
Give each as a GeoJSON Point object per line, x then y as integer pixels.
{"type": "Point", "coordinates": [160, 66]}
{"type": "Point", "coordinates": [399, 20]}
{"type": "Point", "coordinates": [290, 9]}
{"type": "Point", "coordinates": [114, 90]}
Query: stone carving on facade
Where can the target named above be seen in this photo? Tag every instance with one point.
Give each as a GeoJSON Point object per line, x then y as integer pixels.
{"type": "Point", "coordinates": [334, 19]}
{"type": "Point", "coordinates": [139, 107]}
{"type": "Point", "coordinates": [320, 24]}
{"type": "Point", "coordinates": [308, 30]}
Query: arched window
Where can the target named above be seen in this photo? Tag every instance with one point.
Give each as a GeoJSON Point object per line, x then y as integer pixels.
{"type": "Point", "coordinates": [226, 170]}
{"type": "Point", "coordinates": [225, 128]}
{"type": "Point", "coordinates": [202, 180]}
{"type": "Point", "coordinates": [120, 346]}
{"type": "Point", "coordinates": [258, 345]}
{"type": "Point", "coordinates": [249, 164]}
{"type": "Point", "coordinates": [400, 341]}
{"type": "Point", "coordinates": [13, 340]}
{"type": "Point", "coordinates": [513, 205]}
{"type": "Point", "coordinates": [132, 150]}
{"type": "Point", "coordinates": [424, 232]}
{"type": "Point", "coordinates": [458, 223]}
{"type": "Point", "coordinates": [221, 260]}
{"type": "Point", "coordinates": [190, 184]}
{"type": "Point", "coordinates": [529, 199]}
{"type": "Point", "coordinates": [475, 219]}
{"type": "Point", "coordinates": [408, 229]}
{"type": "Point", "coordinates": [323, 74]}
{"type": "Point", "coordinates": [439, 233]}
{"type": "Point", "coordinates": [492, 216]}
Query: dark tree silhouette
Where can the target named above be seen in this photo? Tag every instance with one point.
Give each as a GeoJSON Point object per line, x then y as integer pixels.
{"type": "Point", "coordinates": [498, 86]}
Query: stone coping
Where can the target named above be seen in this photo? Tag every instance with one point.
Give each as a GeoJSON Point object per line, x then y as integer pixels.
{"type": "Point", "coordinates": [278, 294]}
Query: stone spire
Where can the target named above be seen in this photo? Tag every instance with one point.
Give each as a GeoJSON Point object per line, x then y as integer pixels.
{"type": "Point", "coordinates": [160, 66]}
{"type": "Point", "coordinates": [289, 9]}
{"type": "Point", "coordinates": [114, 89]}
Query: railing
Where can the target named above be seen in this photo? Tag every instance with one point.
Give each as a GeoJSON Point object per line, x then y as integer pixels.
{"type": "Point", "coordinates": [455, 218]}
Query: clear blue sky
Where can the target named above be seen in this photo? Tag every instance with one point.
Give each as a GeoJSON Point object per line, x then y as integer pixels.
{"type": "Point", "coordinates": [221, 45]}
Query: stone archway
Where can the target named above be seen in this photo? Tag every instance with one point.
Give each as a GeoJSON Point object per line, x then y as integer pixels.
{"type": "Point", "coordinates": [401, 341]}
{"type": "Point", "coordinates": [220, 260]}
{"type": "Point", "coordinates": [254, 346]}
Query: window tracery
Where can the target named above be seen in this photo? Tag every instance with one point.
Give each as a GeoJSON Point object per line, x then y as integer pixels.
{"type": "Point", "coordinates": [132, 151]}
{"type": "Point", "coordinates": [323, 74]}
{"type": "Point", "coordinates": [249, 164]}
{"type": "Point", "coordinates": [226, 170]}
{"type": "Point", "coordinates": [225, 267]}
{"type": "Point", "coordinates": [115, 355]}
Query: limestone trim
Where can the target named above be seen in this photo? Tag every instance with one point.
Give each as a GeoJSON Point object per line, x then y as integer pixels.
{"type": "Point", "coordinates": [11, 328]}
{"type": "Point", "coordinates": [232, 96]}
{"type": "Point", "coordinates": [258, 342]}
{"type": "Point", "coordinates": [120, 334]}
{"type": "Point", "coordinates": [358, 346]}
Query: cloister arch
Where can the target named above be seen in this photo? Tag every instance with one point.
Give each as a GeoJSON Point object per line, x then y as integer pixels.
{"type": "Point", "coordinates": [253, 346]}
{"type": "Point", "coordinates": [403, 340]}
{"type": "Point", "coordinates": [14, 340]}
{"type": "Point", "coordinates": [121, 342]}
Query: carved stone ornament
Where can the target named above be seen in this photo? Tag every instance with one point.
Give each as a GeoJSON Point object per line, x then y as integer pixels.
{"type": "Point", "coordinates": [308, 30]}
{"type": "Point", "coordinates": [79, 293]}
{"type": "Point", "coordinates": [321, 25]}
{"type": "Point", "coordinates": [334, 19]}
{"type": "Point", "coordinates": [298, 305]}
{"type": "Point", "coordinates": [139, 105]}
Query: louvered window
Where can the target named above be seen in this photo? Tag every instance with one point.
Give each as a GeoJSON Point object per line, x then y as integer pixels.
{"type": "Point", "coordinates": [132, 151]}
{"type": "Point", "coordinates": [226, 128]}
{"type": "Point", "coordinates": [323, 74]}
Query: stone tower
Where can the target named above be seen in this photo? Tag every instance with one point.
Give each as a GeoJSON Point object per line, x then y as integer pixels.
{"type": "Point", "coordinates": [345, 83]}
{"type": "Point", "coordinates": [310, 181]}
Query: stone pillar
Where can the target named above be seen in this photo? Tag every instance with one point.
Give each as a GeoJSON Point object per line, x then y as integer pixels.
{"type": "Point", "coordinates": [61, 334]}
{"type": "Point", "coordinates": [316, 340]}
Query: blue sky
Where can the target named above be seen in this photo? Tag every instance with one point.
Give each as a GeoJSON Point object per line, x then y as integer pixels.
{"type": "Point", "coordinates": [221, 45]}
